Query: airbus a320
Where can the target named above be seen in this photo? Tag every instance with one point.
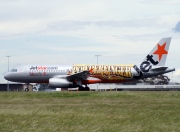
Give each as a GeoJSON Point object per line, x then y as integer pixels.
{"type": "Point", "coordinates": [80, 75]}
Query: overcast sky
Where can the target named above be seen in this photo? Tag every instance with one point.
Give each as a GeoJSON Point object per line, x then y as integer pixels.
{"type": "Point", "coordinates": [74, 31]}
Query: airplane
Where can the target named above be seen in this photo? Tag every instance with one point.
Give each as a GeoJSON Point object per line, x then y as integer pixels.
{"type": "Point", "coordinates": [81, 75]}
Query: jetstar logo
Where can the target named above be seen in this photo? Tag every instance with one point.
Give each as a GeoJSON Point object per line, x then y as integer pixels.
{"type": "Point", "coordinates": [161, 51]}
{"type": "Point", "coordinates": [43, 68]}
{"type": "Point", "coordinates": [147, 65]}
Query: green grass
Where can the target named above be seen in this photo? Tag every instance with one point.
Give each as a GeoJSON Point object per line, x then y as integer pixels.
{"type": "Point", "coordinates": [90, 111]}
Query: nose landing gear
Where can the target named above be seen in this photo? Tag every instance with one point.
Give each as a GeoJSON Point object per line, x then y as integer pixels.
{"type": "Point", "coordinates": [26, 88]}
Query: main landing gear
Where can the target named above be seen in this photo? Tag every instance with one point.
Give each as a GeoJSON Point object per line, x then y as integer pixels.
{"type": "Point", "coordinates": [79, 84]}
{"type": "Point", "coordinates": [86, 88]}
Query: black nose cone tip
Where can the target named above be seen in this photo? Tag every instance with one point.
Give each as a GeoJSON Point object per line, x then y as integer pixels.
{"type": "Point", "coordinates": [6, 76]}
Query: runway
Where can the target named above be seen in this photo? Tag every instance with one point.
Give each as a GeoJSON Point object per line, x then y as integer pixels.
{"type": "Point", "coordinates": [140, 88]}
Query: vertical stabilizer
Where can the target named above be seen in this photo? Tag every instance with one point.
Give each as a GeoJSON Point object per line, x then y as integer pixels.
{"type": "Point", "coordinates": [158, 54]}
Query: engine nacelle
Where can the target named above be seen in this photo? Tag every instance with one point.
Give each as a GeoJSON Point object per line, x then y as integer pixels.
{"type": "Point", "coordinates": [60, 83]}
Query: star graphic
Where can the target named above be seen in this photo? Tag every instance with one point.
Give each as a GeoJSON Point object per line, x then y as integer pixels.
{"type": "Point", "coordinates": [161, 51]}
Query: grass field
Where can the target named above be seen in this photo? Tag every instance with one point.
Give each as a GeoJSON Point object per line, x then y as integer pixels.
{"type": "Point", "coordinates": [90, 111]}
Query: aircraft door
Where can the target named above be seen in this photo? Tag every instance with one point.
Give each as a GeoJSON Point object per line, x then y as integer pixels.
{"type": "Point", "coordinates": [24, 71]}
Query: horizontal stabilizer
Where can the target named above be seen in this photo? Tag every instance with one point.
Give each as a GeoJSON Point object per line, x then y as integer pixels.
{"type": "Point", "coordinates": [159, 69]}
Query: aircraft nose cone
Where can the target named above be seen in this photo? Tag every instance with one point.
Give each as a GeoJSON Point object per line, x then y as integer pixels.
{"type": "Point", "coordinates": [7, 76]}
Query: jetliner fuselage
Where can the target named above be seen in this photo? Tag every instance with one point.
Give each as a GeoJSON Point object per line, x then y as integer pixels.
{"type": "Point", "coordinates": [97, 73]}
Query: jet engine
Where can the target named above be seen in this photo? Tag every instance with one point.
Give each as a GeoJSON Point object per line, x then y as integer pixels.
{"type": "Point", "coordinates": [60, 83]}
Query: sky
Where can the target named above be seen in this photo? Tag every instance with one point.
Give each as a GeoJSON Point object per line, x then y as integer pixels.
{"type": "Point", "coordinates": [56, 32]}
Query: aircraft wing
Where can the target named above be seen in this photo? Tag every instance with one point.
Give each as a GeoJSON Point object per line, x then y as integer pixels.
{"type": "Point", "coordinates": [81, 75]}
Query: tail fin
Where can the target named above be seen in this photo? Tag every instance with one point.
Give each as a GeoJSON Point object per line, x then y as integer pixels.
{"type": "Point", "coordinates": [158, 54]}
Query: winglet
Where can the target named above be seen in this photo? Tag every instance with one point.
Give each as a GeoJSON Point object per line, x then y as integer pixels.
{"type": "Point", "coordinates": [91, 71]}
{"type": "Point", "coordinates": [159, 53]}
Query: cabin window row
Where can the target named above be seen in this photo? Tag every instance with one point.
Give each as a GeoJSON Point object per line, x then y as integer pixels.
{"type": "Point", "coordinates": [48, 71]}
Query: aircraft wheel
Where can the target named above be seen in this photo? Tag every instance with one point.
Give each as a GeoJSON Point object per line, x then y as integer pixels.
{"type": "Point", "coordinates": [84, 88]}
{"type": "Point", "coordinates": [81, 88]}
{"type": "Point", "coordinates": [87, 89]}
{"type": "Point", "coordinates": [26, 89]}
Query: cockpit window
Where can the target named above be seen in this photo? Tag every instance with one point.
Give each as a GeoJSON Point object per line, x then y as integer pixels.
{"type": "Point", "coordinates": [14, 70]}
